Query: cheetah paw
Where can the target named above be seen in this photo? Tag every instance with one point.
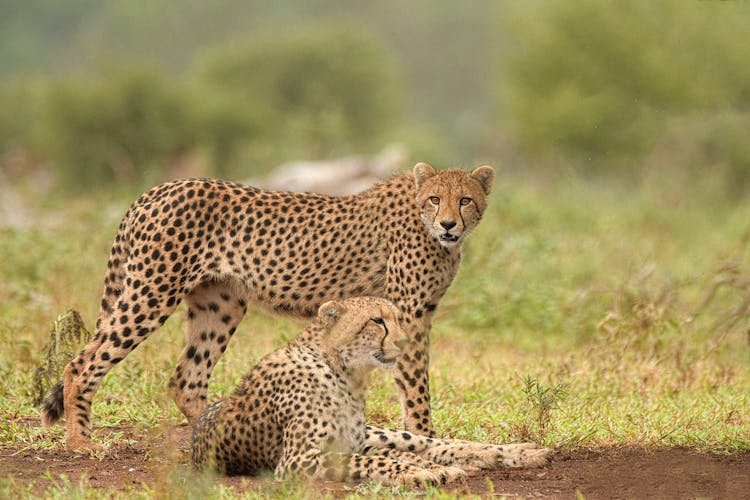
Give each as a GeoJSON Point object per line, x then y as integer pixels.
{"type": "Point", "coordinates": [518, 455]}
{"type": "Point", "coordinates": [82, 445]}
{"type": "Point", "coordinates": [421, 477]}
{"type": "Point", "coordinates": [476, 456]}
{"type": "Point", "coordinates": [448, 473]}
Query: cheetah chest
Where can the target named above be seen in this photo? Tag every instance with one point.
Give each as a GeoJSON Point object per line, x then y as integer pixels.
{"type": "Point", "coordinates": [348, 426]}
{"type": "Point", "coordinates": [336, 406]}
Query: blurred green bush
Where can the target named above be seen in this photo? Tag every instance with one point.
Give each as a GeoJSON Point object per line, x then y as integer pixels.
{"type": "Point", "coordinates": [597, 82]}
{"type": "Point", "coordinates": [113, 128]}
{"type": "Point", "coordinates": [242, 110]}
{"type": "Point", "coordinates": [19, 99]}
{"type": "Point", "coordinates": [315, 94]}
{"type": "Point", "coordinates": [594, 86]}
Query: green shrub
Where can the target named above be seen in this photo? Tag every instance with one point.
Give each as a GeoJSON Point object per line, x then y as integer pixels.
{"type": "Point", "coordinates": [225, 127]}
{"type": "Point", "coordinates": [321, 93]}
{"type": "Point", "coordinates": [711, 152]}
{"type": "Point", "coordinates": [122, 128]}
{"type": "Point", "coordinates": [596, 81]}
{"type": "Point", "coordinates": [19, 101]}
{"type": "Point", "coordinates": [318, 93]}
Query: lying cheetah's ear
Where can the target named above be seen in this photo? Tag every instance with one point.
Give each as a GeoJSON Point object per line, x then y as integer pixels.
{"type": "Point", "coordinates": [422, 172]}
{"type": "Point", "coordinates": [331, 311]}
{"type": "Point", "coordinates": [485, 175]}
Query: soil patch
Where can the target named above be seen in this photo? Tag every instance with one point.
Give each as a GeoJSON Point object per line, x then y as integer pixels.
{"type": "Point", "coordinates": [607, 473]}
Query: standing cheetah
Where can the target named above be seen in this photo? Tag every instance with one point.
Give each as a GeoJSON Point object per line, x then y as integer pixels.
{"type": "Point", "coordinates": [218, 246]}
{"type": "Point", "coordinates": [301, 410]}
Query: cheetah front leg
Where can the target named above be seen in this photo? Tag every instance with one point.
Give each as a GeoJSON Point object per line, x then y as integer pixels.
{"type": "Point", "coordinates": [382, 466]}
{"type": "Point", "coordinates": [411, 372]}
{"type": "Point", "coordinates": [310, 454]}
{"type": "Point", "coordinates": [214, 309]}
{"type": "Point", "coordinates": [412, 378]}
{"type": "Point", "coordinates": [446, 473]}
{"type": "Point", "coordinates": [467, 455]}
{"type": "Point", "coordinates": [472, 456]}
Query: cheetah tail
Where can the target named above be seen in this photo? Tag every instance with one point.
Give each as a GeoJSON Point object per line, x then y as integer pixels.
{"type": "Point", "coordinates": [53, 407]}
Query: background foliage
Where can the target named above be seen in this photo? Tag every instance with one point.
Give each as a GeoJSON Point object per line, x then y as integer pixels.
{"type": "Point", "coordinates": [603, 301]}
{"type": "Point", "coordinates": [234, 89]}
{"type": "Point", "coordinates": [601, 82]}
{"type": "Point", "coordinates": [114, 91]}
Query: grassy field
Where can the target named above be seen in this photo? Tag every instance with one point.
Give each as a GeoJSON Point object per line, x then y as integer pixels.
{"type": "Point", "coordinates": [583, 316]}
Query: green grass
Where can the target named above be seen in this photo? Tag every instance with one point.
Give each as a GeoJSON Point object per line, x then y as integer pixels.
{"type": "Point", "coordinates": [633, 302]}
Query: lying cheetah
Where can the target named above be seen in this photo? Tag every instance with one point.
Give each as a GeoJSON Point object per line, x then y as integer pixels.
{"type": "Point", "coordinates": [301, 410]}
{"type": "Point", "coordinates": [218, 245]}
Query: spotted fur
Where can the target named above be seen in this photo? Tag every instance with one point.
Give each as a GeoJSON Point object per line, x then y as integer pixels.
{"type": "Point", "coordinates": [301, 410]}
{"type": "Point", "coordinates": [218, 246]}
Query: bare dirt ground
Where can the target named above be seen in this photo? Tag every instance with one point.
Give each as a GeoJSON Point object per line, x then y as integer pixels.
{"type": "Point", "coordinates": [628, 472]}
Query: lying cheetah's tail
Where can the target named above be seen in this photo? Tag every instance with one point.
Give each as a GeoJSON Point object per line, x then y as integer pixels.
{"type": "Point", "coordinates": [204, 437]}
{"type": "Point", "coordinates": [53, 407]}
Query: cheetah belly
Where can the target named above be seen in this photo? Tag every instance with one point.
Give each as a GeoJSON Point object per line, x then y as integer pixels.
{"type": "Point", "coordinates": [299, 288]}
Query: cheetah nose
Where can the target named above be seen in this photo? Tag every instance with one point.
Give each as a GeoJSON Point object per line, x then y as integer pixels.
{"type": "Point", "coordinates": [448, 224]}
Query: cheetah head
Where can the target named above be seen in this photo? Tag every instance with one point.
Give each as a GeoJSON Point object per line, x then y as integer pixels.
{"type": "Point", "coordinates": [364, 332]}
{"type": "Point", "coordinates": [452, 202]}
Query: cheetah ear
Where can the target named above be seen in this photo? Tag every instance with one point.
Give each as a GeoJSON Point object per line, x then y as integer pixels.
{"type": "Point", "coordinates": [331, 311]}
{"type": "Point", "coordinates": [422, 172]}
{"type": "Point", "coordinates": [484, 175]}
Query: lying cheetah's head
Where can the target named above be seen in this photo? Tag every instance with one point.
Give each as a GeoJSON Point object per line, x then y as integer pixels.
{"type": "Point", "coordinates": [363, 331]}
{"type": "Point", "coordinates": [452, 201]}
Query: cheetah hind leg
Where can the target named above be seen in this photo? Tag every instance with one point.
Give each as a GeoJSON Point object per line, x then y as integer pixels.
{"type": "Point", "coordinates": [53, 406]}
{"type": "Point", "coordinates": [114, 339]}
{"type": "Point", "coordinates": [214, 309]}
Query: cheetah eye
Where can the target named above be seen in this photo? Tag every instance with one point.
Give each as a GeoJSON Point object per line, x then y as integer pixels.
{"type": "Point", "coordinates": [379, 321]}
{"type": "Point", "coordinates": [434, 200]}
{"type": "Point", "coordinates": [465, 201]}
